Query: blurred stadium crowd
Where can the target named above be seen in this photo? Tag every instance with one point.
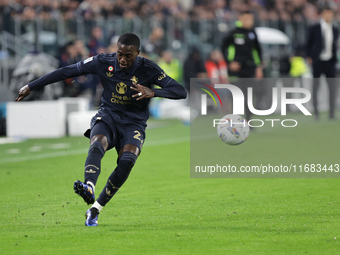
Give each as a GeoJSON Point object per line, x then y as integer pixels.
{"type": "Point", "coordinates": [183, 36]}
{"type": "Point", "coordinates": [271, 10]}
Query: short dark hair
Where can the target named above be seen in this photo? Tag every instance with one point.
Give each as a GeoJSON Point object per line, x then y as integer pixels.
{"type": "Point", "coordinates": [325, 7]}
{"type": "Point", "coordinates": [129, 39]}
{"type": "Point", "coordinates": [245, 12]}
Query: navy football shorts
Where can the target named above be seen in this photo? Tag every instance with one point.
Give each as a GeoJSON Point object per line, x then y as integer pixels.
{"type": "Point", "coordinates": [117, 131]}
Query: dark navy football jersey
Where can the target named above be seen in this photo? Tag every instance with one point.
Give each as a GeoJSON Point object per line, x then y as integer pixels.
{"type": "Point", "coordinates": [117, 94]}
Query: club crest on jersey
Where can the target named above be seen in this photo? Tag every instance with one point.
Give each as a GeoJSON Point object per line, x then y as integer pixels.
{"type": "Point", "coordinates": [109, 74]}
{"type": "Point", "coordinates": [121, 88]}
{"type": "Point", "coordinates": [251, 36]}
{"type": "Point", "coordinates": [162, 76]}
{"type": "Point", "coordinates": [134, 79]}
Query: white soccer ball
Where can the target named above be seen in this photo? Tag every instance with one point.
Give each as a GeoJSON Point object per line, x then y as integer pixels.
{"type": "Point", "coordinates": [233, 129]}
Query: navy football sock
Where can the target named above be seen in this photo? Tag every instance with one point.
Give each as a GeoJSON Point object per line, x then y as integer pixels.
{"type": "Point", "coordinates": [92, 163]}
{"type": "Point", "coordinates": [118, 177]}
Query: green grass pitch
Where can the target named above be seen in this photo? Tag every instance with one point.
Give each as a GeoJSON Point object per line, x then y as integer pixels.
{"type": "Point", "coordinates": [160, 209]}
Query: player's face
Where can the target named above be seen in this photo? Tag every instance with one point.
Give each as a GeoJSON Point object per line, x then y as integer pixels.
{"type": "Point", "coordinates": [327, 15]}
{"type": "Point", "coordinates": [247, 20]}
{"type": "Point", "coordinates": [126, 55]}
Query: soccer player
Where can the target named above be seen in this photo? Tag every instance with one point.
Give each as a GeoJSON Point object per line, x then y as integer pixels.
{"type": "Point", "coordinates": [322, 49]}
{"type": "Point", "coordinates": [242, 52]}
{"type": "Point", "coordinates": [120, 123]}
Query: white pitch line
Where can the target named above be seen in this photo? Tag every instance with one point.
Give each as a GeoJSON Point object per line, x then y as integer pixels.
{"type": "Point", "coordinates": [8, 140]}
{"type": "Point", "coordinates": [13, 151]}
{"type": "Point", "coordinates": [44, 155]}
{"type": "Point", "coordinates": [35, 148]}
{"type": "Point", "coordinates": [82, 151]}
{"type": "Point", "coordinates": [57, 146]}
{"type": "Point", "coordinates": [168, 141]}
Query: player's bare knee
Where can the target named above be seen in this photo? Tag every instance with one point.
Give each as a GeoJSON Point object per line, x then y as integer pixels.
{"type": "Point", "coordinates": [101, 139]}
{"type": "Point", "coordinates": [131, 148]}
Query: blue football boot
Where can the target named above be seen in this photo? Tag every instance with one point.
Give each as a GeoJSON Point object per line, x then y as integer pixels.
{"type": "Point", "coordinates": [85, 191]}
{"type": "Point", "coordinates": [91, 217]}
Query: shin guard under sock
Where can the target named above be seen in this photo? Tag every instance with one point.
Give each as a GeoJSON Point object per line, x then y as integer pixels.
{"type": "Point", "coordinates": [92, 163]}
{"type": "Point", "coordinates": [118, 177]}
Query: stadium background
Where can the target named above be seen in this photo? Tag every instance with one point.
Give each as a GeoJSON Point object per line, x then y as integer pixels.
{"type": "Point", "coordinates": [74, 30]}
{"type": "Point", "coordinates": [161, 210]}
{"type": "Point", "coordinates": [174, 25]}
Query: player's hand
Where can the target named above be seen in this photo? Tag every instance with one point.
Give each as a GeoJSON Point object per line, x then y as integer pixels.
{"type": "Point", "coordinates": [310, 61]}
{"type": "Point", "coordinates": [259, 73]}
{"type": "Point", "coordinates": [23, 92]}
{"type": "Point", "coordinates": [234, 66]}
{"type": "Point", "coordinates": [143, 92]}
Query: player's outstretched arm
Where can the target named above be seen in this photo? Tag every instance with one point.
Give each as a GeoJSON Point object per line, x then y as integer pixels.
{"type": "Point", "coordinates": [23, 92]}
{"type": "Point", "coordinates": [80, 68]}
{"type": "Point", "coordinates": [171, 89]}
{"type": "Point", "coordinates": [55, 76]}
